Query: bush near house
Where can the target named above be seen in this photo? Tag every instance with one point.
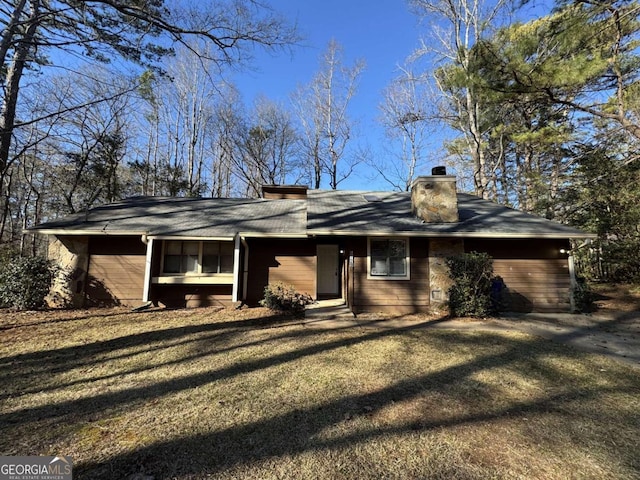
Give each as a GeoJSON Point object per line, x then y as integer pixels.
{"type": "Point", "coordinates": [475, 291]}
{"type": "Point", "coordinates": [284, 298]}
{"type": "Point", "coordinates": [25, 282]}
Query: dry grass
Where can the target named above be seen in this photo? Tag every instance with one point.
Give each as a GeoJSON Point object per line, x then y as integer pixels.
{"type": "Point", "coordinates": [240, 394]}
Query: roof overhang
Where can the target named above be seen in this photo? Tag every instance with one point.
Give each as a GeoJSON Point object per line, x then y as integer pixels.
{"type": "Point", "coordinates": [222, 238]}
{"type": "Point", "coordinates": [496, 235]}
{"type": "Point", "coordinates": [272, 235]}
{"type": "Point", "coordinates": [63, 231]}
{"type": "Point", "coordinates": [326, 233]}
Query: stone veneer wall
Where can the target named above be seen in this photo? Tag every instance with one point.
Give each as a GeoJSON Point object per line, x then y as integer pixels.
{"type": "Point", "coordinates": [71, 254]}
{"type": "Point", "coordinates": [434, 199]}
{"type": "Point", "coordinates": [439, 280]}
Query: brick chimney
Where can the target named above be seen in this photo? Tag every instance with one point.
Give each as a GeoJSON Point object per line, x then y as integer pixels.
{"type": "Point", "coordinates": [434, 198]}
{"type": "Point", "coordinates": [290, 192]}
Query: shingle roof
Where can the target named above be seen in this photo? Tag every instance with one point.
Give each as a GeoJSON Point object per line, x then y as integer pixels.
{"type": "Point", "coordinates": [324, 212]}
{"type": "Point", "coordinates": [189, 217]}
{"type": "Point", "coordinates": [350, 212]}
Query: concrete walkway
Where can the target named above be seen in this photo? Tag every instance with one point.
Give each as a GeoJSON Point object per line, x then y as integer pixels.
{"type": "Point", "coordinates": [612, 333]}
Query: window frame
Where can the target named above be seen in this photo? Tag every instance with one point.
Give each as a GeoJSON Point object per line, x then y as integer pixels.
{"type": "Point", "coordinates": [199, 271]}
{"type": "Point", "coordinates": [407, 259]}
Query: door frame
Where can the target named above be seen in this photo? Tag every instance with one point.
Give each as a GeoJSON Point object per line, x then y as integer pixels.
{"type": "Point", "coordinates": [331, 254]}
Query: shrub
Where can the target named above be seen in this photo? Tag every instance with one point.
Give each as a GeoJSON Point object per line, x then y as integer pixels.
{"type": "Point", "coordinates": [25, 282]}
{"type": "Point", "coordinates": [282, 297]}
{"type": "Point", "coordinates": [474, 292]}
{"type": "Point", "coordinates": [582, 297]}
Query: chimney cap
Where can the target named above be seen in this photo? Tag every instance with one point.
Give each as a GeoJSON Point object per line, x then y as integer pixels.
{"type": "Point", "coordinates": [424, 179]}
{"type": "Point", "coordinates": [439, 170]}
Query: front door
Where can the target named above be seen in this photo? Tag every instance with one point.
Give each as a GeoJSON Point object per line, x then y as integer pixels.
{"type": "Point", "coordinates": [328, 271]}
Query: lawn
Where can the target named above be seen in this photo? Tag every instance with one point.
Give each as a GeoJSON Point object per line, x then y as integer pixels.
{"type": "Point", "coordinates": [228, 394]}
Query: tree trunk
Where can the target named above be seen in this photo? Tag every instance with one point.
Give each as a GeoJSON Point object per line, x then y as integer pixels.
{"type": "Point", "coordinates": [12, 86]}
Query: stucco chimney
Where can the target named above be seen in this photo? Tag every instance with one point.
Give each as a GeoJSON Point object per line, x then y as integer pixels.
{"type": "Point", "coordinates": [434, 198]}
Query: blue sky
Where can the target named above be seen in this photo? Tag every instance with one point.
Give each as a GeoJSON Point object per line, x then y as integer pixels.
{"type": "Point", "coordinates": [382, 32]}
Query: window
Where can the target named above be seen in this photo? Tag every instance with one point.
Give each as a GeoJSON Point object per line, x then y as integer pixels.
{"type": "Point", "coordinates": [193, 257]}
{"type": "Point", "coordinates": [389, 258]}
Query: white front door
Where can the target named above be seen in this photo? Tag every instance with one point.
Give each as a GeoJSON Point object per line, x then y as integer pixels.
{"type": "Point", "coordinates": [328, 270]}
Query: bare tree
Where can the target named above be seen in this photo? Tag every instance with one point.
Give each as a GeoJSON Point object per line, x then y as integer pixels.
{"type": "Point", "coordinates": [88, 145]}
{"type": "Point", "coordinates": [266, 148]}
{"type": "Point", "coordinates": [226, 132]}
{"type": "Point", "coordinates": [455, 27]}
{"type": "Point", "coordinates": [188, 101]}
{"type": "Point", "coordinates": [407, 121]}
{"type": "Point", "coordinates": [37, 31]}
{"type": "Point", "coordinates": [323, 109]}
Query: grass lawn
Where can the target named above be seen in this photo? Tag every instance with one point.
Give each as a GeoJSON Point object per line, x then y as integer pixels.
{"type": "Point", "coordinates": [242, 394]}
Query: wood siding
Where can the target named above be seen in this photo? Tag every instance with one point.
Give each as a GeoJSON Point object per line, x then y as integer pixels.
{"type": "Point", "coordinates": [389, 295]}
{"type": "Point", "coordinates": [535, 272]}
{"type": "Point", "coordinates": [281, 260]}
{"type": "Point", "coordinates": [115, 279]}
{"type": "Point", "coordinates": [180, 296]}
{"type": "Point", "coordinates": [116, 270]}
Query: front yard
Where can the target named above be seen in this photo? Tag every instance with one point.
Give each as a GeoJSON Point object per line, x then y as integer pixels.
{"type": "Point", "coordinates": [242, 394]}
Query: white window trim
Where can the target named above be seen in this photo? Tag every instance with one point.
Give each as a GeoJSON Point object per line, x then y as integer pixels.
{"type": "Point", "coordinates": [388, 278]}
{"type": "Point", "coordinates": [166, 277]}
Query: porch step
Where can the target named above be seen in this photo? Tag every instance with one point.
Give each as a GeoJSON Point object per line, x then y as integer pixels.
{"type": "Point", "coordinates": [328, 310]}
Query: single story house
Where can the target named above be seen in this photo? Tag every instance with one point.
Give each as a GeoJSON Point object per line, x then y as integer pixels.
{"type": "Point", "coordinates": [379, 251]}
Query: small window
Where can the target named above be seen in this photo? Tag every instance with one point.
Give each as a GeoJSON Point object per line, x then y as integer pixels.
{"type": "Point", "coordinates": [389, 258]}
{"type": "Point", "coordinates": [194, 257]}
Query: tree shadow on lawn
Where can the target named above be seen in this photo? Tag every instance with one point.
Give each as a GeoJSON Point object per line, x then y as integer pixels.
{"type": "Point", "coordinates": [299, 430]}
{"type": "Point", "coordinates": [21, 319]}
{"type": "Point", "coordinates": [37, 366]}
{"type": "Point", "coordinates": [35, 372]}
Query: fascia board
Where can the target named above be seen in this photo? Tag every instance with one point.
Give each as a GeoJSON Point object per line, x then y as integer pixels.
{"type": "Point", "coordinates": [497, 235]}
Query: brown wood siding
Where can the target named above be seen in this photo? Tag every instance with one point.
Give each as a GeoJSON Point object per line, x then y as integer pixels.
{"type": "Point", "coordinates": [281, 260]}
{"type": "Point", "coordinates": [116, 270]}
{"type": "Point", "coordinates": [116, 279]}
{"type": "Point", "coordinates": [535, 285]}
{"type": "Point", "coordinates": [535, 272]}
{"type": "Point", "coordinates": [179, 296]}
{"type": "Point", "coordinates": [388, 295]}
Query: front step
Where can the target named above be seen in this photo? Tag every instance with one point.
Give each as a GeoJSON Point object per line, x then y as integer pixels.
{"type": "Point", "coordinates": [328, 310]}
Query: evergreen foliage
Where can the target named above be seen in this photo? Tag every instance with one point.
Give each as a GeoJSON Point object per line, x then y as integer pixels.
{"type": "Point", "coordinates": [582, 297]}
{"type": "Point", "coordinates": [471, 292]}
{"type": "Point", "coordinates": [604, 198]}
{"type": "Point", "coordinates": [25, 282]}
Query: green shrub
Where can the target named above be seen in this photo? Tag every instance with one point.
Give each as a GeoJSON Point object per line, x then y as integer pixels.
{"type": "Point", "coordinates": [284, 298]}
{"type": "Point", "coordinates": [582, 297]}
{"type": "Point", "coordinates": [25, 282]}
{"type": "Point", "coordinates": [473, 282]}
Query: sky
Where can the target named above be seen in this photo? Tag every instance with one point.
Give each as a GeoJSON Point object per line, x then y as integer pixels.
{"type": "Point", "coordinates": [381, 32]}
